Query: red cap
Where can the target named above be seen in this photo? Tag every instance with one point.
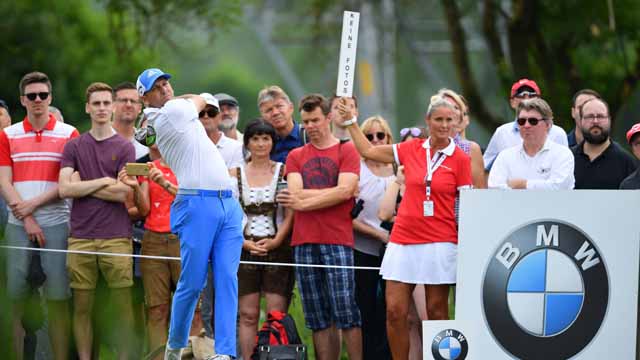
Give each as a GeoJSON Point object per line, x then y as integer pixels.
{"type": "Point", "coordinates": [524, 82]}
{"type": "Point", "coordinates": [634, 130]}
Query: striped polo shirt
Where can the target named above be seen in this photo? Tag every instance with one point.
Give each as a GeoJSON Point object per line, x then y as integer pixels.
{"type": "Point", "coordinates": [34, 158]}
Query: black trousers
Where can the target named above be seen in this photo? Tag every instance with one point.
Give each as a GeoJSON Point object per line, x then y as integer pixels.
{"type": "Point", "coordinates": [370, 299]}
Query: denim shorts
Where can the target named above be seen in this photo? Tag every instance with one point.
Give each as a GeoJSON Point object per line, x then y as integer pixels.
{"type": "Point", "coordinates": [328, 294]}
{"type": "Point", "coordinates": [56, 286]}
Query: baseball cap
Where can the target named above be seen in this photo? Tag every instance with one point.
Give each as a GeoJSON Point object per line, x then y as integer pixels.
{"type": "Point", "coordinates": [226, 99]}
{"type": "Point", "coordinates": [147, 78]}
{"type": "Point", "coordinates": [210, 100]}
{"type": "Point", "coordinates": [524, 82]}
{"type": "Point", "coordinates": [634, 130]}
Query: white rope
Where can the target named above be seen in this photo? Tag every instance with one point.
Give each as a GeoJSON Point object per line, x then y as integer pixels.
{"type": "Point", "coordinates": [178, 259]}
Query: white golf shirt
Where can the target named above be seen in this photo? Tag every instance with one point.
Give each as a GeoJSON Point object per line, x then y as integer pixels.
{"type": "Point", "coordinates": [186, 148]}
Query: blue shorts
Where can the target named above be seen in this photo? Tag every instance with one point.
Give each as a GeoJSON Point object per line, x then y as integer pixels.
{"type": "Point", "coordinates": [56, 286]}
{"type": "Point", "coordinates": [328, 294]}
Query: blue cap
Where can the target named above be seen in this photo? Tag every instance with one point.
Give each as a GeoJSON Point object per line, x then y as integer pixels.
{"type": "Point", "coordinates": [148, 78]}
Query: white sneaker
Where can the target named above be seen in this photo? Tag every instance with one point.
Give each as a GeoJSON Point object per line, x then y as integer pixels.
{"type": "Point", "coordinates": [172, 354]}
{"type": "Point", "coordinates": [220, 357]}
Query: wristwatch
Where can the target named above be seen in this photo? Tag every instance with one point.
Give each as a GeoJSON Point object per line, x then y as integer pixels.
{"type": "Point", "coordinates": [167, 185]}
{"type": "Point", "coordinates": [350, 122]}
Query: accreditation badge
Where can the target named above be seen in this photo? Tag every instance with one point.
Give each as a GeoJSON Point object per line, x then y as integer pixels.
{"type": "Point", "coordinates": [427, 208]}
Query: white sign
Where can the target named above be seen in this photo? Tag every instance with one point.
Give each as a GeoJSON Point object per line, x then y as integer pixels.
{"type": "Point", "coordinates": [348, 46]}
{"type": "Point", "coordinates": [543, 275]}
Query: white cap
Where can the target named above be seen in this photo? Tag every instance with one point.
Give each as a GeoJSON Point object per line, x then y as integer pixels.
{"type": "Point", "coordinates": [210, 100]}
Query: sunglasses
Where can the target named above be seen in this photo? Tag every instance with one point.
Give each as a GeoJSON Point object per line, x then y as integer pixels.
{"type": "Point", "coordinates": [533, 121]}
{"type": "Point", "coordinates": [414, 131]}
{"type": "Point", "coordinates": [211, 112]}
{"type": "Point", "coordinates": [33, 96]}
{"type": "Point", "coordinates": [527, 94]}
{"type": "Point", "coordinates": [379, 135]}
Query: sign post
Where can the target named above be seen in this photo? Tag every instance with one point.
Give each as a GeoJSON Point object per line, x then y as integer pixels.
{"type": "Point", "coordinates": [348, 47]}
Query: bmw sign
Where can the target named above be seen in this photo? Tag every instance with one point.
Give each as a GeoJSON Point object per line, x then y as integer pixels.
{"type": "Point", "coordinates": [545, 291]}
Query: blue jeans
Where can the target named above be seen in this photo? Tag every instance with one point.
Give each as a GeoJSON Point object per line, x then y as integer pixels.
{"type": "Point", "coordinates": [210, 229]}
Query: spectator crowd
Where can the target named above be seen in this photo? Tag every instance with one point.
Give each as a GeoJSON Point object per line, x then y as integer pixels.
{"type": "Point", "coordinates": [328, 189]}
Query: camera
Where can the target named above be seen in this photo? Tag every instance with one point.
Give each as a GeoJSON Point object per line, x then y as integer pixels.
{"type": "Point", "coordinates": [357, 208]}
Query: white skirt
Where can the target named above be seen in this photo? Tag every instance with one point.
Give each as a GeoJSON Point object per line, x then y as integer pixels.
{"type": "Point", "coordinates": [433, 263]}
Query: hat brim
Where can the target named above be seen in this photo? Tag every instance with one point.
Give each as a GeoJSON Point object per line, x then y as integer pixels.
{"type": "Point", "coordinates": [160, 76]}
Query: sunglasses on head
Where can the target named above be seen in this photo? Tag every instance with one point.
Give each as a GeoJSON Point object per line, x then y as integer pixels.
{"type": "Point", "coordinates": [380, 135]}
{"type": "Point", "coordinates": [41, 95]}
{"type": "Point", "coordinates": [211, 112]}
{"type": "Point", "coordinates": [533, 121]}
{"type": "Point", "coordinates": [527, 94]}
{"type": "Point", "coordinates": [414, 131]}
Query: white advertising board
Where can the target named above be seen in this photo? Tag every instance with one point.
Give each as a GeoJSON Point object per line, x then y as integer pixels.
{"type": "Point", "coordinates": [543, 275]}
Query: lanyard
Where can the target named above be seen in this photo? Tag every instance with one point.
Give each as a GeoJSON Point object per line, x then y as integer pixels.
{"type": "Point", "coordinates": [432, 166]}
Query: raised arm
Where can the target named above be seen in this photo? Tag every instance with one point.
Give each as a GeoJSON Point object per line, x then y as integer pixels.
{"type": "Point", "coordinates": [382, 153]}
{"type": "Point", "coordinates": [387, 206]}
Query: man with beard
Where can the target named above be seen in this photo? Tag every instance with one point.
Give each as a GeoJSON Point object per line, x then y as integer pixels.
{"type": "Point", "coordinates": [230, 110]}
{"type": "Point", "coordinates": [600, 162]}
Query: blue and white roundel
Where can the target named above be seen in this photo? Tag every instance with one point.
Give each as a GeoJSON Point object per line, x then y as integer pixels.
{"type": "Point", "coordinates": [545, 292]}
{"type": "Point", "coordinates": [449, 348]}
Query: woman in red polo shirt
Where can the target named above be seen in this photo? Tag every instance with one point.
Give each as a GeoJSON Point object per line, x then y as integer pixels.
{"type": "Point", "coordinates": [422, 249]}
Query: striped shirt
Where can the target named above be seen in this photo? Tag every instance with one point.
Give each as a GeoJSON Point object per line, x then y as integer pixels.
{"type": "Point", "coordinates": [34, 158]}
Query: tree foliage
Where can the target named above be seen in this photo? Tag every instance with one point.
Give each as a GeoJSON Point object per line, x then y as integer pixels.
{"type": "Point", "coordinates": [77, 42]}
{"type": "Point", "coordinates": [564, 45]}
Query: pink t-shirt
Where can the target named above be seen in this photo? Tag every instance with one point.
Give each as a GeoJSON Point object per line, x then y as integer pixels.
{"type": "Point", "coordinates": [411, 226]}
{"type": "Point", "coordinates": [320, 170]}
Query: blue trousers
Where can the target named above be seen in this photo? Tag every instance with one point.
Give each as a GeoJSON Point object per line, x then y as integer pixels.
{"type": "Point", "coordinates": [210, 230]}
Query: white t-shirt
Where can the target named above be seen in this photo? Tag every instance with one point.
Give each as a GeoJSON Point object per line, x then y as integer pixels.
{"type": "Point", "coordinates": [550, 169]}
{"type": "Point", "coordinates": [231, 151]}
{"type": "Point", "coordinates": [372, 189]}
{"type": "Point", "coordinates": [185, 146]}
{"type": "Point", "coordinates": [508, 135]}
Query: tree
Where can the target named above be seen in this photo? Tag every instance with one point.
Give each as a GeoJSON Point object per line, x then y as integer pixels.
{"type": "Point", "coordinates": [564, 45]}
{"type": "Point", "coordinates": [77, 42]}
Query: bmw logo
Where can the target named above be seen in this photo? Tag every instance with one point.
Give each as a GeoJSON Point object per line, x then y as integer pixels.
{"type": "Point", "coordinates": [545, 291]}
{"type": "Point", "coordinates": [449, 345]}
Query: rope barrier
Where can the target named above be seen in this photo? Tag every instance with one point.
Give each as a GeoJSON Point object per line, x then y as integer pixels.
{"type": "Point", "coordinates": [178, 259]}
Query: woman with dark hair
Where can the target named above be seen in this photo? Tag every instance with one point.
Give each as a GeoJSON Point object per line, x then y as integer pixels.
{"type": "Point", "coordinates": [422, 250]}
{"type": "Point", "coordinates": [266, 234]}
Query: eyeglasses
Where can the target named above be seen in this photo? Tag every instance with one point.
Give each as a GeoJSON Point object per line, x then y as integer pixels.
{"type": "Point", "coordinates": [527, 95]}
{"type": "Point", "coordinates": [592, 117]}
{"type": "Point", "coordinates": [414, 131]}
{"type": "Point", "coordinates": [533, 121]}
{"type": "Point", "coordinates": [211, 112]}
{"type": "Point", "coordinates": [33, 96]}
{"type": "Point", "coordinates": [379, 135]}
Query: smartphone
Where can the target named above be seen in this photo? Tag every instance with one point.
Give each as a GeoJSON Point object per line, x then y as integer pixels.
{"type": "Point", "coordinates": [281, 186]}
{"type": "Point", "coordinates": [137, 169]}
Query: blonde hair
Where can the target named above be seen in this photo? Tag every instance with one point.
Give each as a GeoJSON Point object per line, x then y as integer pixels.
{"type": "Point", "coordinates": [444, 93]}
{"type": "Point", "coordinates": [368, 124]}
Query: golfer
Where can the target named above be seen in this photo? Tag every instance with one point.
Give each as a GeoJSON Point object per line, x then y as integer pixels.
{"type": "Point", "coordinates": [204, 215]}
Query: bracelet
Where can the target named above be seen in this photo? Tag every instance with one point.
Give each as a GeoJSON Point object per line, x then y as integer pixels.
{"type": "Point", "coordinates": [349, 122]}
